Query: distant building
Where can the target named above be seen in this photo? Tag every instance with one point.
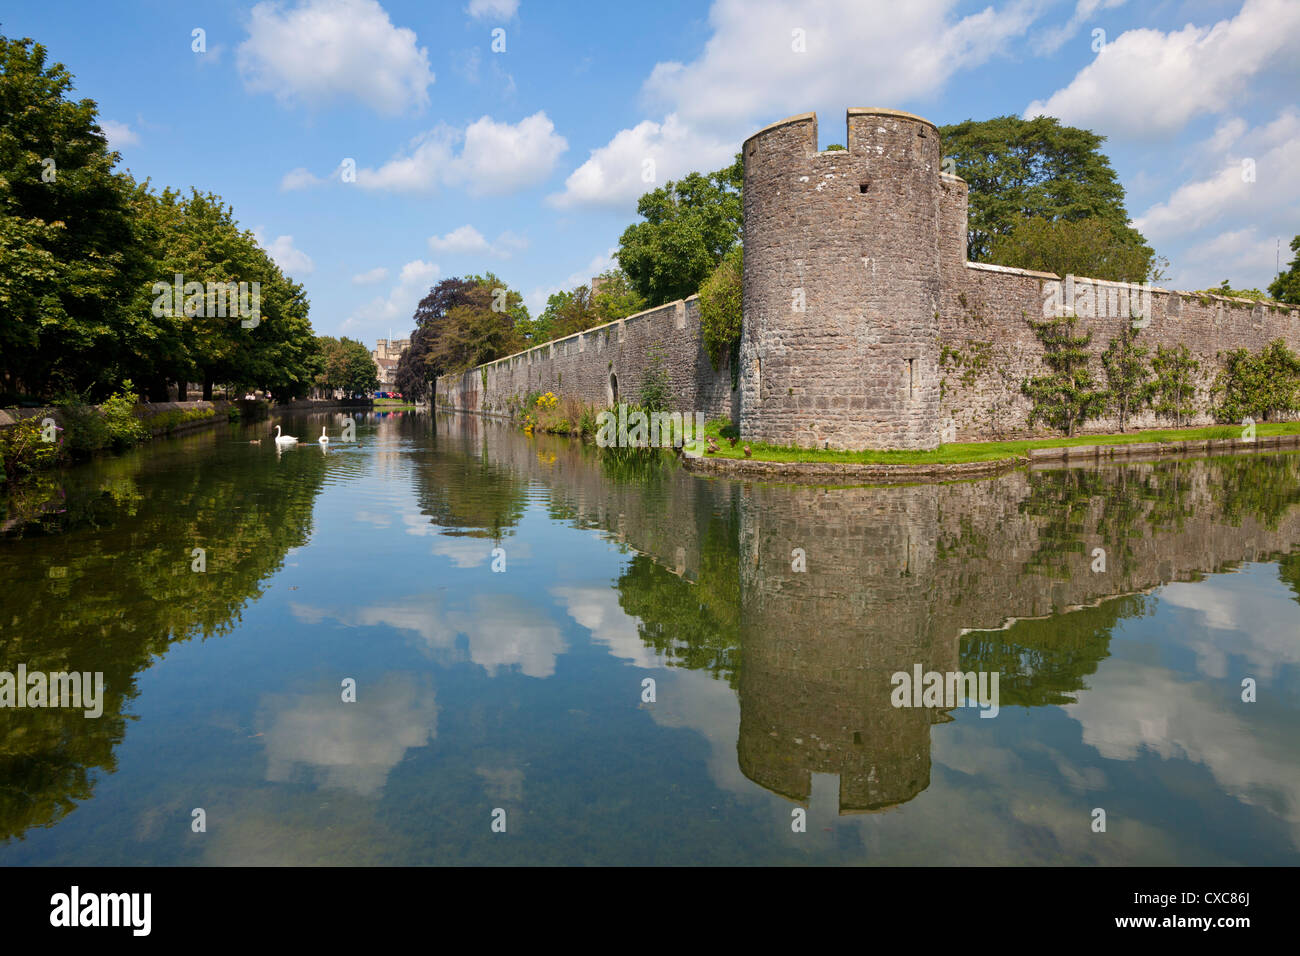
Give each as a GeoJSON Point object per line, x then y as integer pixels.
{"type": "Point", "coordinates": [386, 354]}
{"type": "Point", "coordinates": [597, 284]}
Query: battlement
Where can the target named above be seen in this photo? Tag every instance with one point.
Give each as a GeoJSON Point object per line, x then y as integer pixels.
{"type": "Point", "coordinates": [864, 327]}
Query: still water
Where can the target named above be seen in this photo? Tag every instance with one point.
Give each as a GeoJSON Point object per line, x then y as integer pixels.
{"type": "Point", "coordinates": [524, 689]}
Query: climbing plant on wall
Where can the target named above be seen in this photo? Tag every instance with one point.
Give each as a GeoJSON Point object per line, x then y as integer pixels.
{"type": "Point", "coordinates": [1067, 396]}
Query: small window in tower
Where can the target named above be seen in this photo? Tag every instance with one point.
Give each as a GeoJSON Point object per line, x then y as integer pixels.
{"type": "Point", "coordinates": [863, 187]}
{"type": "Point", "coordinates": [911, 378]}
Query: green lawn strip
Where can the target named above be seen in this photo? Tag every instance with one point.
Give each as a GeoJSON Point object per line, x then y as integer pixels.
{"type": "Point", "coordinates": [974, 451]}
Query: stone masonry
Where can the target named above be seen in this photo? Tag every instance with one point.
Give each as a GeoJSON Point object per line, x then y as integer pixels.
{"type": "Point", "coordinates": [864, 327]}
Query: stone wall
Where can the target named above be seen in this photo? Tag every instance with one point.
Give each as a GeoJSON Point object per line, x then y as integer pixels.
{"type": "Point", "coordinates": [841, 289]}
{"type": "Point", "coordinates": [987, 347]}
{"type": "Point", "coordinates": [603, 366]}
{"type": "Point", "coordinates": [864, 325]}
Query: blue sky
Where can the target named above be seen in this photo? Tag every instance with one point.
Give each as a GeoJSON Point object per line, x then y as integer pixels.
{"type": "Point", "coordinates": [528, 160]}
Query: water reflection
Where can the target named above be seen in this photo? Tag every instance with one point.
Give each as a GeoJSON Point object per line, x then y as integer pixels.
{"type": "Point", "coordinates": [107, 583]}
{"type": "Point", "coordinates": [981, 576]}
{"type": "Point", "coordinates": [776, 676]}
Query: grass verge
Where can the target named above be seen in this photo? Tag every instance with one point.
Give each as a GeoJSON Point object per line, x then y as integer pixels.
{"type": "Point", "coordinates": [723, 431]}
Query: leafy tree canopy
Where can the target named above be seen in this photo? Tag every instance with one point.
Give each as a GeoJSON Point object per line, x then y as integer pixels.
{"type": "Point", "coordinates": [1286, 287]}
{"type": "Point", "coordinates": [1020, 169]}
{"type": "Point", "coordinates": [689, 225]}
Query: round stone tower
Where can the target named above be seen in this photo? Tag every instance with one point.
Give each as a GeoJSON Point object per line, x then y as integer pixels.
{"type": "Point", "coordinates": [839, 347]}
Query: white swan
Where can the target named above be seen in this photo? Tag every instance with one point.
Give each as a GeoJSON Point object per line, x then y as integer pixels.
{"type": "Point", "coordinates": [324, 439]}
{"type": "Point", "coordinates": [284, 439]}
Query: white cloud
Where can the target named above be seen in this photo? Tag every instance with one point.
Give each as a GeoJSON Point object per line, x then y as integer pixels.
{"type": "Point", "coordinates": [353, 747]}
{"type": "Point", "coordinates": [492, 9]}
{"type": "Point", "coordinates": [299, 178]}
{"type": "Point", "coordinates": [536, 300]}
{"type": "Point", "coordinates": [750, 74]}
{"type": "Point", "coordinates": [1051, 39]}
{"type": "Point", "coordinates": [377, 274]}
{"type": "Point", "coordinates": [413, 281]}
{"type": "Point", "coordinates": [468, 240]}
{"type": "Point", "coordinates": [323, 50]}
{"type": "Point", "coordinates": [118, 134]}
{"type": "Point", "coordinates": [597, 609]}
{"type": "Point", "coordinates": [1147, 84]}
{"type": "Point", "coordinates": [1247, 186]}
{"type": "Point", "coordinates": [1226, 219]}
{"type": "Point", "coordinates": [494, 158]}
{"type": "Point", "coordinates": [640, 159]}
{"type": "Point", "coordinates": [285, 254]}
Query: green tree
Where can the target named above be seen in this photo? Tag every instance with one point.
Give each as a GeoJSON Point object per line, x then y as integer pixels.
{"type": "Point", "coordinates": [1128, 376]}
{"type": "Point", "coordinates": [348, 365]}
{"type": "Point", "coordinates": [616, 298]}
{"type": "Point", "coordinates": [69, 253]}
{"type": "Point", "coordinates": [1262, 387]}
{"type": "Point", "coordinates": [720, 306]}
{"type": "Point", "coordinates": [1286, 287]}
{"type": "Point", "coordinates": [690, 224]}
{"type": "Point", "coordinates": [1175, 383]}
{"type": "Point", "coordinates": [462, 322]}
{"type": "Point", "coordinates": [566, 313]}
{"type": "Point", "coordinates": [1068, 396]}
{"type": "Point", "coordinates": [1020, 169]}
{"type": "Point", "coordinates": [1080, 247]}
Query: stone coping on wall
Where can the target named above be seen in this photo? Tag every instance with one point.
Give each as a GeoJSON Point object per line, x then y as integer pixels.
{"type": "Point", "coordinates": [551, 343]}
{"type": "Point", "coordinates": [1155, 290]}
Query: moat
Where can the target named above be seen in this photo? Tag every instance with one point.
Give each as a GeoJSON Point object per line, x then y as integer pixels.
{"type": "Point", "coordinates": [501, 600]}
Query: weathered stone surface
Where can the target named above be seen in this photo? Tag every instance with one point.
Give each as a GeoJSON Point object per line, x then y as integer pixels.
{"type": "Point", "coordinates": [864, 325]}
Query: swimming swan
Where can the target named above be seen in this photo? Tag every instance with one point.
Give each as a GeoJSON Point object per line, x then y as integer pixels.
{"type": "Point", "coordinates": [324, 439]}
{"type": "Point", "coordinates": [284, 439]}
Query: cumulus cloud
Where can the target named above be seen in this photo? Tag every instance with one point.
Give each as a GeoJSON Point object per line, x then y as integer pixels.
{"type": "Point", "coordinates": [118, 134]}
{"type": "Point", "coordinates": [324, 50]}
{"type": "Point", "coordinates": [468, 240]}
{"type": "Point", "coordinates": [492, 9]}
{"type": "Point", "coordinates": [1147, 84]}
{"type": "Point", "coordinates": [377, 274]}
{"type": "Point", "coordinates": [285, 254]}
{"type": "Point", "coordinates": [1239, 199]}
{"type": "Point", "coordinates": [639, 159]}
{"type": "Point", "coordinates": [299, 178]}
{"type": "Point", "coordinates": [596, 608]}
{"type": "Point", "coordinates": [751, 72]}
{"type": "Point", "coordinates": [536, 300]}
{"type": "Point", "coordinates": [413, 281]}
{"type": "Point", "coordinates": [1051, 39]}
{"type": "Point", "coordinates": [353, 747]}
{"type": "Point", "coordinates": [1254, 176]}
{"type": "Point", "coordinates": [494, 158]}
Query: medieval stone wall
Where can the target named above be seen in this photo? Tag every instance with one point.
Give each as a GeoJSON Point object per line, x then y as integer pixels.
{"type": "Point", "coordinates": [864, 325]}
{"type": "Point", "coordinates": [987, 347]}
{"type": "Point", "coordinates": [605, 365]}
{"type": "Point", "coordinates": [841, 290]}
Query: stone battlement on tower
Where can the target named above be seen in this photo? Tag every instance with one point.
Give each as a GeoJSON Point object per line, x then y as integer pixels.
{"type": "Point", "coordinates": [864, 327]}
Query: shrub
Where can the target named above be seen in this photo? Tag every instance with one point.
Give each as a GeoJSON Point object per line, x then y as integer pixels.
{"type": "Point", "coordinates": [1068, 396]}
{"type": "Point", "coordinates": [656, 388]}
{"type": "Point", "coordinates": [123, 429]}
{"type": "Point", "coordinates": [23, 449]}
{"type": "Point", "coordinates": [85, 431]}
{"type": "Point", "coordinates": [720, 306]}
{"type": "Point", "coordinates": [1260, 386]}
